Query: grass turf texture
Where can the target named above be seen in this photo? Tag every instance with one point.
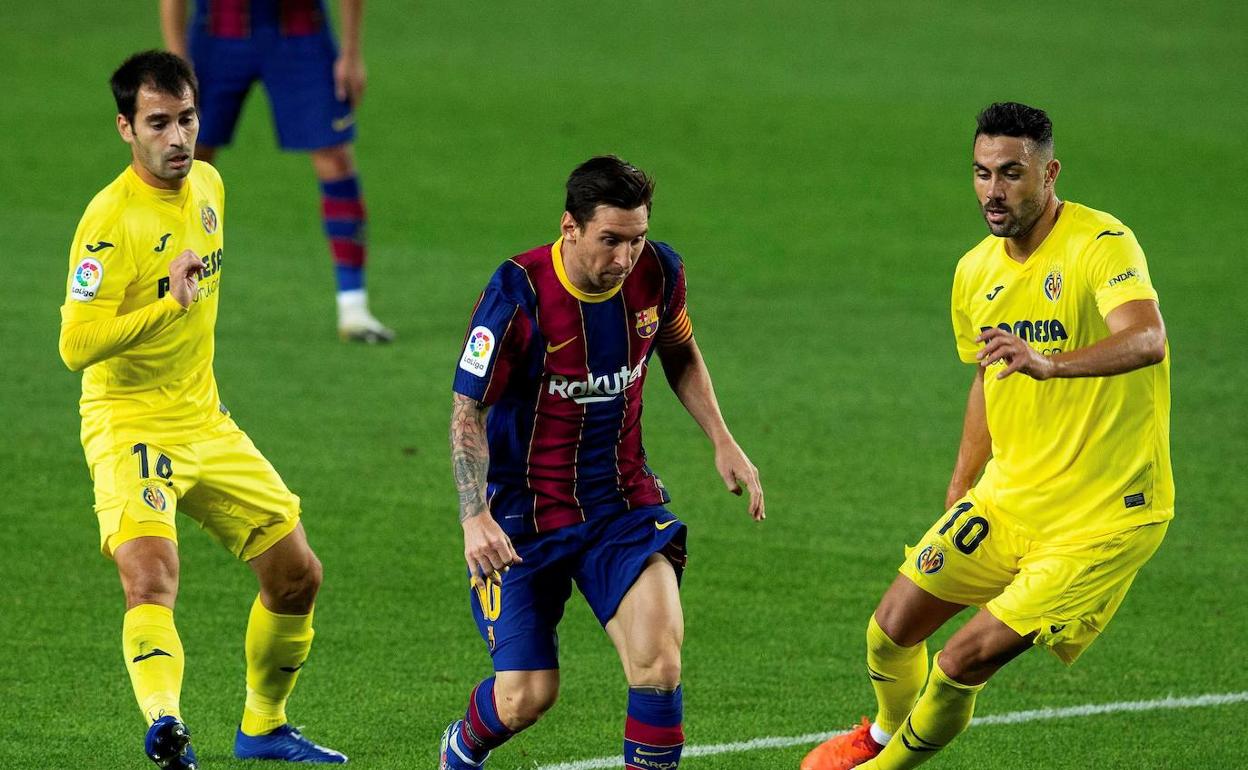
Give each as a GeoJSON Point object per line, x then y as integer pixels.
{"type": "Point", "coordinates": [813, 167]}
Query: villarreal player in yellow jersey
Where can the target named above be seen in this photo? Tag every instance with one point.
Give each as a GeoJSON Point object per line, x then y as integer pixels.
{"type": "Point", "coordinates": [145, 273]}
{"type": "Point", "coordinates": [1068, 422]}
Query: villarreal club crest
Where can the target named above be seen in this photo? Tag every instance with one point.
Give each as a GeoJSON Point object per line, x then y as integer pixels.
{"type": "Point", "coordinates": [931, 560]}
{"type": "Point", "coordinates": [1053, 284]}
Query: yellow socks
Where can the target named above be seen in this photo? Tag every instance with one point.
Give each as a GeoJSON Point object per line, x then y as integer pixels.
{"type": "Point", "coordinates": [277, 646]}
{"type": "Point", "coordinates": [154, 659]}
{"type": "Point", "coordinates": [942, 713]}
{"type": "Point", "coordinates": [897, 674]}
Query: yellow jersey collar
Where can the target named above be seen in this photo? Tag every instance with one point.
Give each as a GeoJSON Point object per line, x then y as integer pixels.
{"type": "Point", "coordinates": [556, 256]}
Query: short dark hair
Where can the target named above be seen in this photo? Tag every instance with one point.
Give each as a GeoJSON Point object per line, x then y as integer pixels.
{"type": "Point", "coordinates": [161, 70]}
{"type": "Point", "coordinates": [606, 180]}
{"type": "Point", "coordinates": [1014, 119]}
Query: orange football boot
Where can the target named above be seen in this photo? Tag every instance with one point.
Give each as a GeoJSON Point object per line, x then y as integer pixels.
{"type": "Point", "coordinates": [844, 751]}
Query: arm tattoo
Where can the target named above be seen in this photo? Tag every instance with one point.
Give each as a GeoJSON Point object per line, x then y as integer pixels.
{"type": "Point", "coordinates": [470, 455]}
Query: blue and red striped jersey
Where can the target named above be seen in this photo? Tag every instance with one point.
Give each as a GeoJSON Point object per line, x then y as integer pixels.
{"type": "Point", "coordinates": [243, 18]}
{"type": "Point", "coordinates": [562, 372]}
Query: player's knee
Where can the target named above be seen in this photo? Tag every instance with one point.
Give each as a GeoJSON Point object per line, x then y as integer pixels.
{"type": "Point", "coordinates": [520, 707]}
{"type": "Point", "coordinates": [334, 163]}
{"type": "Point", "coordinates": [966, 661]}
{"type": "Point", "coordinates": [661, 670]}
{"type": "Point", "coordinates": [296, 592]}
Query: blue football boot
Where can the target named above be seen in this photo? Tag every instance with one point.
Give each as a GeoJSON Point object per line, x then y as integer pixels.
{"type": "Point", "coordinates": [285, 743]}
{"type": "Point", "coordinates": [168, 744]}
{"type": "Point", "coordinates": [450, 756]}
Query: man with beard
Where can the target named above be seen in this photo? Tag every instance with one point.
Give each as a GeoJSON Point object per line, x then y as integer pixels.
{"type": "Point", "coordinates": [1067, 418]}
{"type": "Point", "coordinates": [139, 322]}
{"type": "Point", "coordinates": [554, 485]}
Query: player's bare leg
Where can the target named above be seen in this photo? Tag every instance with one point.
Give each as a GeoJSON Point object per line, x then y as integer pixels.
{"type": "Point", "coordinates": [648, 630]}
{"type": "Point", "coordinates": [279, 638]}
{"type": "Point", "coordinates": [522, 697]}
{"type": "Point", "coordinates": [897, 666]}
{"type": "Point", "coordinates": [342, 207]}
{"type": "Point", "coordinates": [148, 567]}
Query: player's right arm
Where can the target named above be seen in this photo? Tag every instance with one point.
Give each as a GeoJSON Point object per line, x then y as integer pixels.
{"type": "Point", "coordinates": [976, 446]}
{"type": "Point", "coordinates": [498, 338]}
{"type": "Point", "coordinates": [487, 549]}
{"type": "Point", "coordinates": [92, 332]}
{"type": "Point", "coordinates": [173, 26]}
{"type": "Point", "coordinates": [975, 449]}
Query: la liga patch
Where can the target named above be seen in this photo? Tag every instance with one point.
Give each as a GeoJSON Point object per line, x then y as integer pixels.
{"type": "Point", "coordinates": [478, 351]}
{"type": "Point", "coordinates": [86, 280]}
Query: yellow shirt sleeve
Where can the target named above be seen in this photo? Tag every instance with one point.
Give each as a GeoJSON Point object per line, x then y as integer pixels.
{"type": "Point", "coordinates": [964, 331]}
{"type": "Point", "coordinates": [101, 270]}
{"type": "Point", "coordinates": [1117, 271]}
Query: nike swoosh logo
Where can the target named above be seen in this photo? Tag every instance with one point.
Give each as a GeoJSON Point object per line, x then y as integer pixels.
{"type": "Point", "coordinates": [163, 239]}
{"type": "Point", "coordinates": [343, 123]}
{"type": "Point", "coordinates": [94, 247]}
{"type": "Point", "coordinates": [151, 654]}
{"type": "Point", "coordinates": [1110, 232]}
{"type": "Point", "coordinates": [662, 525]}
{"type": "Point", "coordinates": [555, 348]}
{"type": "Point", "coordinates": [995, 292]}
{"type": "Point", "coordinates": [645, 753]}
{"type": "Point", "coordinates": [292, 669]}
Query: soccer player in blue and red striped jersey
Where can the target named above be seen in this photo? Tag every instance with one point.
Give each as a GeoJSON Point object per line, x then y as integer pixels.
{"type": "Point", "coordinates": [313, 87]}
{"type": "Point", "coordinates": [552, 477]}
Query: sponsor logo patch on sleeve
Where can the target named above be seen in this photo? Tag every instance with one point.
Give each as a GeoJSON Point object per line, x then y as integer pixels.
{"type": "Point", "coordinates": [86, 280]}
{"type": "Point", "coordinates": [477, 353]}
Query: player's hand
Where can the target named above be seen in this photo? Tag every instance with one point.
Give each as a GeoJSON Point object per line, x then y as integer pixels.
{"type": "Point", "coordinates": [1000, 345]}
{"type": "Point", "coordinates": [350, 78]}
{"type": "Point", "coordinates": [737, 471]}
{"type": "Point", "coordinates": [184, 273]}
{"type": "Point", "coordinates": [487, 549]}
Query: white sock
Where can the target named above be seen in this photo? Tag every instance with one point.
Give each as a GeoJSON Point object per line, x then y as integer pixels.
{"type": "Point", "coordinates": [878, 735]}
{"type": "Point", "coordinates": [352, 301]}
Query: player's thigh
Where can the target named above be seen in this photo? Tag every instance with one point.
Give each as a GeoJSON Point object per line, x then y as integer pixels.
{"type": "Point", "coordinates": [138, 487]}
{"type": "Point", "coordinates": [616, 550]}
{"type": "Point", "coordinates": [298, 74]}
{"type": "Point", "coordinates": [909, 615]}
{"type": "Point", "coordinates": [648, 628]}
{"type": "Point", "coordinates": [967, 557]}
{"type": "Point", "coordinates": [240, 499]}
{"type": "Point", "coordinates": [226, 69]}
{"type": "Point", "coordinates": [1066, 593]}
{"type": "Point", "coordinates": [518, 618]}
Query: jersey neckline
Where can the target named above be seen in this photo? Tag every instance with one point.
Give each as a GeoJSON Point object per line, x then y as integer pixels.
{"type": "Point", "coordinates": [556, 257]}
{"type": "Point", "coordinates": [1063, 216]}
{"type": "Point", "coordinates": [175, 198]}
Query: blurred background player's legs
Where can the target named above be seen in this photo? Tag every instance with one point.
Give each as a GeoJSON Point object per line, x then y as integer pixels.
{"type": "Point", "coordinates": [342, 209]}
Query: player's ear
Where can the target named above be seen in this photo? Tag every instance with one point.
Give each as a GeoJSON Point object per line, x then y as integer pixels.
{"type": "Point", "coordinates": [1051, 170]}
{"type": "Point", "coordinates": [124, 128]}
{"type": "Point", "coordinates": [568, 227]}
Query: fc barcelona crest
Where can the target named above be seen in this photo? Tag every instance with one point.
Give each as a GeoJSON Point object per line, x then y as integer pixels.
{"type": "Point", "coordinates": [1053, 284]}
{"type": "Point", "coordinates": [930, 560]}
{"type": "Point", "coordinates": [647, 321]}
{"type": "Point", "coordinates": [209, 218]}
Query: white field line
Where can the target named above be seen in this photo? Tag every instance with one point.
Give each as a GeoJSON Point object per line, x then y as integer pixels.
{"type": "Point", "coordinates": [1012, 717]}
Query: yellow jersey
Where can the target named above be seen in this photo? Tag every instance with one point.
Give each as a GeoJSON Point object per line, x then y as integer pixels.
{"type": "Point", "coordinates": [147, 360]}
{"type": "Point", "coordinates": [1071, 458]}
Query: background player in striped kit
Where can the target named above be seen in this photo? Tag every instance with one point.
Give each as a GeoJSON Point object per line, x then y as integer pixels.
{"type": "Point", "coordinates": [313, 89]}
{"type": "Point", "coordinates": [552, 477]}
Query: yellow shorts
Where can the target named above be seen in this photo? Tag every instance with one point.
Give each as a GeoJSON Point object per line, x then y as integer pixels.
{"type": "Point", "coordinates": [1065, 593]}
{"type": "Point", "coordinates": [222, 482]}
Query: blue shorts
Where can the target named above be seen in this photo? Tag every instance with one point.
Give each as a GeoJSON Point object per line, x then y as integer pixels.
{"type": "Point", "coordinates": [298, 73]}
{"type": "Point", "coordinates": [518, 620]}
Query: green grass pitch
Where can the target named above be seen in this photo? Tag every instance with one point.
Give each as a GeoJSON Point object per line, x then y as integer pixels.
{"type": "Point", "coordinates": [813, 168]}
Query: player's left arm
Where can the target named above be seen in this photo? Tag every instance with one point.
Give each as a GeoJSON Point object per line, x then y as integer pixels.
{"type": "Point", "coordinates": [691, 381]}
{"type": "Point", "coordinates": [1137, 338]}
{"type": "Point", "coordinates": [350, 77]}
{"type": "Point", "coordinates": [1117, 274]}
